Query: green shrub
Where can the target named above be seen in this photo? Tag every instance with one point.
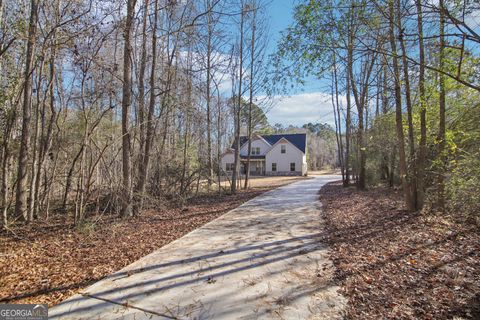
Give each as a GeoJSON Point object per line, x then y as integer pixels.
{"type": "Point", "coordinates": [463, 187]}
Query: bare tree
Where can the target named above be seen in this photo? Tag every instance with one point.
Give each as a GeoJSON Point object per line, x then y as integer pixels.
{"type": "Point", "coordinates": [441, 126]}
{"type": "Point", "coordinates": [253, 10]}
{"type": "Point", "coordinates": [398, 108]}
{"type": "Point", "coordinates": [238, 102]}
{"type": "Point", "coordinates": [422, 149]}
{"type": "Point", "coordinates": [26, 111]}
{"type": "Point", "coordinates": [145, 148]}
{"type": "Point", "coordinates": [126, 102]}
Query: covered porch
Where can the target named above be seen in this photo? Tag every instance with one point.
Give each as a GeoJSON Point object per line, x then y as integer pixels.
{"type": "Point", "coordinates": [257, 165]}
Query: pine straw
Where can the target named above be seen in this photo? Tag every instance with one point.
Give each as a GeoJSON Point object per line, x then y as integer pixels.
{"type": "Point", "coordinates": [398, 265]}
{"type": "Point", "coordinates": [47, 262]}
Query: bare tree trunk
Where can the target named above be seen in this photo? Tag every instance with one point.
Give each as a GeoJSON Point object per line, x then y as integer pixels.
{"type": "Point", "coordinates": [398, 110]}
{"type": "Point", "coordinates": [47, 137]}
{"type": "Point", "coordinates": [31, 200]}
{"type": "Point", "coordinates": [239, 107]}
{"type": "Point", "coordinates": [408, 100]}
{"type": "Point", "coordinates": [348, 134]}
{"type": "Point", "coordinates": [406, 78]}
{"type": "Point", "coordinates": [189, 109]}
{"type": "Point", "coordinates": [209, 81]}
{"type": "Point", "coordinates": [391, 174]}
{"type": "Point", "coordinates": [348, 126]}
{"type": "Point", "coordinates": [219, 141]}
{"type": "Point", "coordinates": [68, 182]}
{"type": "Point", "coordinates": [80, 195]}
{"type": "Point", "coordinates": [336, 114]}
{"type": "Point", "coordinates": [126, 102]}
{"type": "Point", "coordinates": [141, 88]}
{"type": "Point", "coordinates": [185, 150]}
{"type": "Point", "coordinates": [250, 102]}
{"type": "Point", "coordinates": [145, 159]}
{"type": "Point", "coordinates": [379, 92]}
{"type": "Point", "coordinates": [385, 163]}
{"type": "Point", "coordinates": [422, 149]}
{"type": "Point", "coordinates": [441, 126]}
{"type": "Point", "coordinates": [359, 102]}
{"type": "Point", "coordinates": [361, 157]}
{"type": "Point", "coordinates": [5, 152]}
{"type": "Point", "coordinates": [20, 200]}
{"type": "Point", "coordinates": [49, 186]}
{"type": "Point", "coordinates": [3, 182]}
{"type": "Point", "coordinates": [5, 169]}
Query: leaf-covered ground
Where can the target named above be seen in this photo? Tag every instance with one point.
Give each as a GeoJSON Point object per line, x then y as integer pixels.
{"type": "Point", "coordinates": [47, 262]}
{"type": "Point", "coordinates": [398, 265]}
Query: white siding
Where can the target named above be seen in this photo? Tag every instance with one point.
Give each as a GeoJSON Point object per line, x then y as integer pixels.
{"type": "Point", "coordinates": [255, 143]}
{"type": "Point", "coordinates": [304, 167]}
{"type": "Point", "coordinates": [227, 158]}
{"type": "Point", "coordinates": [283, 160]}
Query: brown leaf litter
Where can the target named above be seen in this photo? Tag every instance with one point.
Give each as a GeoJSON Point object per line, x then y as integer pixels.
{"type": "Point", "coordinates": [393, 264]}
{"type": "Point", "coordinates": [49, 261]}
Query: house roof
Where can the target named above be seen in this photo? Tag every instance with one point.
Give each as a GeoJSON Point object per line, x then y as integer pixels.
{"type": "Point", "coordinates": [299, 140]}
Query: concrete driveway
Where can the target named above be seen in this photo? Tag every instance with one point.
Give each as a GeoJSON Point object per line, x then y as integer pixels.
{"type": "Point", "coordinates": [265, 259]}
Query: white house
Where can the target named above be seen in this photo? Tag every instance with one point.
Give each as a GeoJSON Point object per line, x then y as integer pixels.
{"type": "Point", "coordinates": [276, 154]}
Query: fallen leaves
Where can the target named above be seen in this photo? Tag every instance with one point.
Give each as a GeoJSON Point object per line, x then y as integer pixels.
{"type": "Point", "coordinates": [398, 265]}
{"type": "Point", "coordinates": [47, 262]}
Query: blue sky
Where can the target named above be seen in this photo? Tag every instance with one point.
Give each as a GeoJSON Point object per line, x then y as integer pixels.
{"type": "Point", "coordinates": [311, 103]}
{"type": "Point", "coordinates": [280, 13]}
{"type": "Point", "coordinates": [305, 104]}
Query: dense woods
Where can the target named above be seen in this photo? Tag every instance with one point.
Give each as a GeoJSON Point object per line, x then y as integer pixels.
{"type": "Point", "coordinates": [405, 92]}
{"type": "Point", "coordinates": [115, 114]}
{"type": "Point", "coordinates": [112, 106]}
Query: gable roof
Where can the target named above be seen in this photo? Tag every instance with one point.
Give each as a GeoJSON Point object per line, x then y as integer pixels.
{"type": "Point", "coordinates": [299, 140]}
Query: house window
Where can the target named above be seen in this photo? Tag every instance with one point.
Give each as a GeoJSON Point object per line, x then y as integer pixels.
{"type": "Point", "coordinates": [255, 151]}
{"type": "Point", "coordinates": [283, 148]}
{"type": "Point", "coordinates": [274, 166]}
{"type": "Point", "coordinates": [258, 150]}
{"type": "Point", "coordinates": [292, 166]}
{"type": "Point", "coordinates": [229, 166]}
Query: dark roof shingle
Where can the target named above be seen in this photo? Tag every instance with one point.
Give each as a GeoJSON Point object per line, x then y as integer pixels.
{"type": "Point", "coordinates": [299, 140]}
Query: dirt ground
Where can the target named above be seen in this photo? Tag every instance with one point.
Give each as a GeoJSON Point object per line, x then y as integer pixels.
{"type": "Point", "coordinates": [259, 182]}
{"type": "Point", "coordinates": [393, 264]}
{"type": "Point", "coordinates": [48, 261]}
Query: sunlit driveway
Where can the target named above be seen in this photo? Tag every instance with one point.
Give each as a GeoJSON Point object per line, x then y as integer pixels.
{"type": "Point", "coordinates": [265, 259]}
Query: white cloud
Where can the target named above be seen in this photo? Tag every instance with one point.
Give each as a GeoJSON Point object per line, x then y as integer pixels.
{"type": "Point", "coordinates": [302, 108]}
